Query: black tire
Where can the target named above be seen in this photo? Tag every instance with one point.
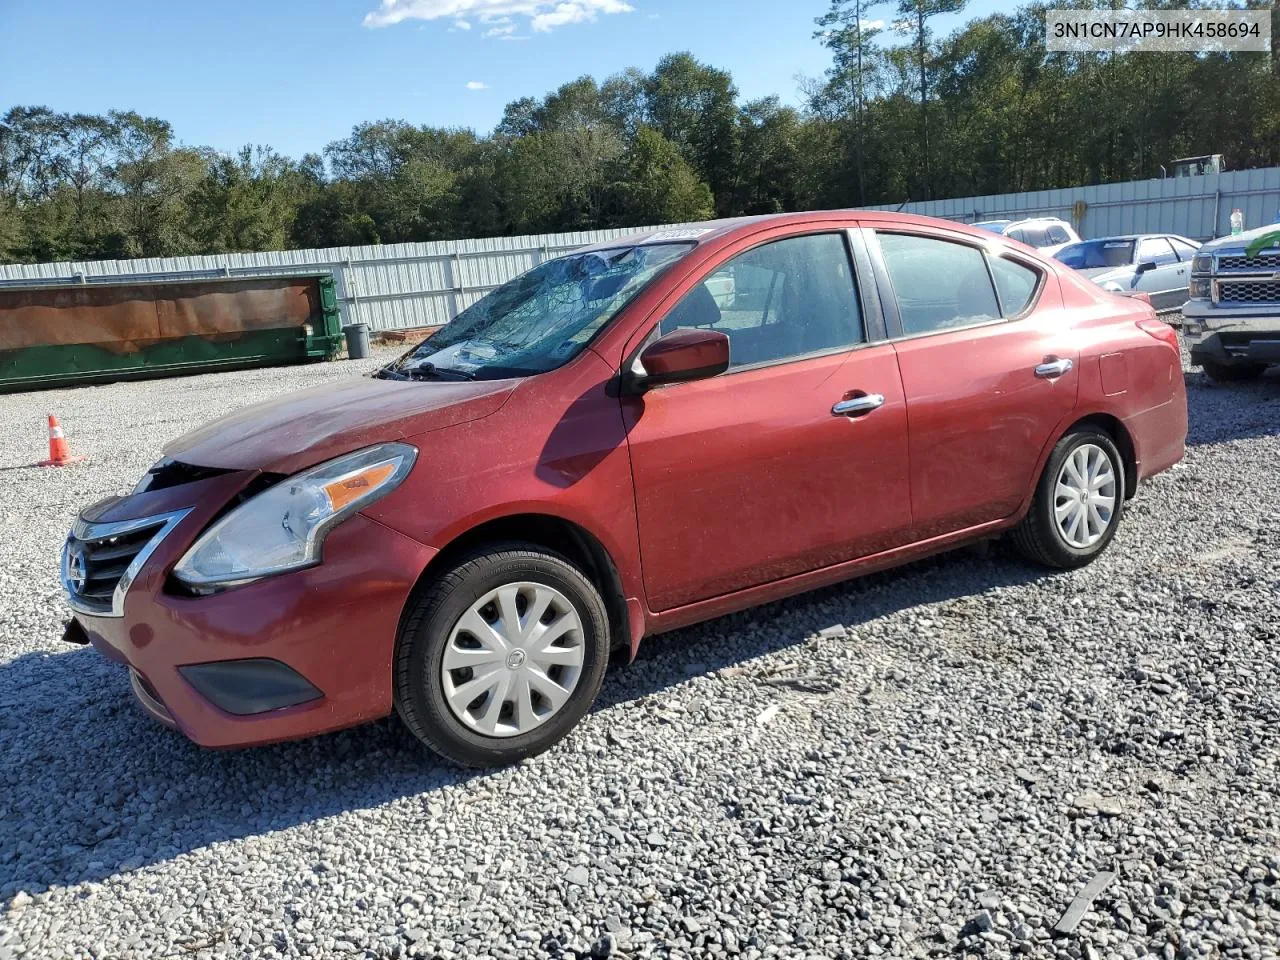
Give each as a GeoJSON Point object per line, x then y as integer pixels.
{"type": "Point", "coordinates": [1232, 372]}
{"type": "Point", "coordinates": [1038, 538]}
{"type": "Point", "coordinates": [419, 688]}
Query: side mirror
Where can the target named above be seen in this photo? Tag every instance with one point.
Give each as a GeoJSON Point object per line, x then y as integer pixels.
{"type": "Point", "coordinates": [1145, 266]}
{"type": "Point", "coordinates": [686, 354]}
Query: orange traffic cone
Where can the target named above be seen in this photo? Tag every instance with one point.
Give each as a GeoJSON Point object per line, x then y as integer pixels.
{"type": "Point", "coordinates": [59, 451]}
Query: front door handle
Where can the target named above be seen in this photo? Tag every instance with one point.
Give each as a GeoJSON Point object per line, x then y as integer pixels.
{"type": "Point", "coordinates": [1052, 369]}
{"type": "Point", "coordinates": [858, 406]}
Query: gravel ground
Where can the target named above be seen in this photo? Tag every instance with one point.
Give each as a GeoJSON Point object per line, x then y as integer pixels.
{"type": "Point", "coordinates": [932, 761]}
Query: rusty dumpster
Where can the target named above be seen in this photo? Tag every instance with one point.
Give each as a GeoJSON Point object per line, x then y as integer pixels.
{"type": "Point", "coordinates": [94, 333]}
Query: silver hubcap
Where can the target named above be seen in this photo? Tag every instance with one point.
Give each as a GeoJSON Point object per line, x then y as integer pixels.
{"type": "Point", "coordinates": [1084, 501]}
{"type": "Point", "coordinates": [513, 659]}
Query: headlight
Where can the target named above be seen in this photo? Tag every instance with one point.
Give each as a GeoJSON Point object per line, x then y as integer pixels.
{"type": "Point", "coordinates": [1202, 263]}
{"type": "Point", "coordinates": [283, 527]}
{"type": "Point", "coordinates": [1198, 288]}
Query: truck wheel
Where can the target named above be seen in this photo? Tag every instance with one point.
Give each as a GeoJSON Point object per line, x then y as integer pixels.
{"type": "Point", "coordinates": [501, 656]}
{"type": "Point", "coordinates": [1232, 372]}
{"type": "Point", "coordinates": [1077, 504]}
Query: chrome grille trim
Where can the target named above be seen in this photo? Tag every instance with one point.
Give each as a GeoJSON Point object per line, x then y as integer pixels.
{"type": "Point", "coordinates": [98, 534]}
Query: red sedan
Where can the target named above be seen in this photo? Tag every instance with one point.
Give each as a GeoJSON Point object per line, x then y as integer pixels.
{"type": "Point", "coordinates": [624, 440]}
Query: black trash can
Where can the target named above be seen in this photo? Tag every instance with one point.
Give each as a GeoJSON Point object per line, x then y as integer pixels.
{"type": "Point", "coordinates": [357, 340]}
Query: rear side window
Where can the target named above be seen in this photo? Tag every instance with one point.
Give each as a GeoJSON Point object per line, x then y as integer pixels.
{"type": "Point", "coordinates": [1016, 284]}
{"type": "Point", "coordinates": [778, 301]}
{"type": "Point", "coordinates": [1184, 250]}
{"type": "Point", "coordinates": [938, 284]}
{"type": "Point", "coordinates": [1058, 235]}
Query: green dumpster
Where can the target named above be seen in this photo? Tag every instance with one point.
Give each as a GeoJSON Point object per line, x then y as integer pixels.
{"type": "Point", "coordinates": [94, 333]}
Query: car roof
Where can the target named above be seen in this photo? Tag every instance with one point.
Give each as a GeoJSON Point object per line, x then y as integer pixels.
{"type": "Point", "coordinates": [1140, 236]}
{"type": "Point", "coordinates": [710, 230]}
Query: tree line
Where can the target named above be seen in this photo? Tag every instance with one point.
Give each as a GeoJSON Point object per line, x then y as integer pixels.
{"type": "Point", "coordinates": [984, 109]}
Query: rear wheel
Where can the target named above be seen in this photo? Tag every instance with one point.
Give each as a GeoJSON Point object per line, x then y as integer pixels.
{"type": "Point", "coordinates": [1077, 503]}
{"type": "Point", "coordinates": [501, 656]}
{"type": "Point", "coordinates": [1232, 372]}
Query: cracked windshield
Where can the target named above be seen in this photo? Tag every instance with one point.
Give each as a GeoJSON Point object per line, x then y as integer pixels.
{"type": "Point", "coordinates": [540, 320]}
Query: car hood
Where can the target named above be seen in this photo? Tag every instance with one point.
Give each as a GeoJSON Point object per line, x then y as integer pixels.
{"type": "Point", "coordinates": [297, 430]}
{"type": "Point", "coordinates": [1239, 241]}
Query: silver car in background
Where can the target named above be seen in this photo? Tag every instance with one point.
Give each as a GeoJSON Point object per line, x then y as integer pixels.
{"type": "Point", "coordinates": [1156, 264]}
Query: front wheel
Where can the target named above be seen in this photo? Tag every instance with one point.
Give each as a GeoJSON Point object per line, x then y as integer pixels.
{"type": "Point", "coordinates": [1077, 503]}
{"type": "Point", "coordinates": [501, 656]}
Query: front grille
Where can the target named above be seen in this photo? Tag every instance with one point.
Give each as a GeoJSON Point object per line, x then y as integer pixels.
{"type": "Point", "coordinates": [101, 560]}
{"type": "Point", "coordinates": [1250, 291]}
{"type": "Point", "coordinates": [1238, 263]}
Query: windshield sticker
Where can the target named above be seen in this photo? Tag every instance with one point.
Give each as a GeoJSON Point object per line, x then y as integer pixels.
{"type": "Point", "coordinates": [665, 236]}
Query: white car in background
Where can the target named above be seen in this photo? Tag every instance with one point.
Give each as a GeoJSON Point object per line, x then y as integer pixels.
{"type": "Point", "coordinates": [1046, 234]}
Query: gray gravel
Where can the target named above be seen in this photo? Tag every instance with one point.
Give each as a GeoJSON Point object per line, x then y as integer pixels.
{"type": "Point", "coordinates": [935, 760]}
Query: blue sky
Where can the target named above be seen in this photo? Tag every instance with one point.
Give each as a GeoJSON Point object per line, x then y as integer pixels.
{"type": "Point", "coordinates": [297, 74]}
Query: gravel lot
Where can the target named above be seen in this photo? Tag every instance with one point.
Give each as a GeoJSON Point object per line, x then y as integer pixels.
{"type": "Point", "coordinates": [931, 761]}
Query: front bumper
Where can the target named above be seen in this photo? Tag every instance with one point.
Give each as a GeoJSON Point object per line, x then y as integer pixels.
{"type": "Point", "coordinates": [1227, 347]}
{"type": "Point", "coordinates": [1225, 335]}
{"type": "Point", "coordinates": [319, 640]}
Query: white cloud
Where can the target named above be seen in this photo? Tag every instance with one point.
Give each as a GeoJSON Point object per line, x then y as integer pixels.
{"type": "Point", "coordinates": [463, 25]}
{"type": "Point", "coordinates": [501, 30]}
{"type": "Point", "coordinates": [872, 24]}
{"type": "Point", "coordinates": [477, 85]}
{"type": "Point", "coordinates": [542, 15]}
{"type": "Point", "coordinates": [576, 11]}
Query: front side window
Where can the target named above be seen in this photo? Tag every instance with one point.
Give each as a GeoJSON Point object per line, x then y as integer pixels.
{"type": "Point", "coordinates": [779, 301]}
{"type": "Point", "coordinates": [938, 284]}
{"type": "Point", "coordinates": [1015, 283]}
{"type": "Point", "coordinates": [1058, 234]}
{"type": "Point", "coordinates": [540, 320]}
{"type": "Point", "coordinates": [1156, 250]}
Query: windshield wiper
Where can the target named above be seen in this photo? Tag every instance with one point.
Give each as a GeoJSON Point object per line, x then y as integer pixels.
{"type": "Point", "coordinates": [386, 373]}
{"type": "Point", "coordinates": [426, 370]}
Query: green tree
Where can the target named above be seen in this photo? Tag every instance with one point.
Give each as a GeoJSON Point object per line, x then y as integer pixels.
{"type": "Point", "coordinates": [657, 185]}
{"type": "Point", "coordinates": [694, 106]}
{"type": "Point", "coordinates": [916, 15]}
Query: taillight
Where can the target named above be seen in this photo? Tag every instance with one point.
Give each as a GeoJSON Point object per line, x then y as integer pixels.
{"type": "Point", "coordinates": [1157, 328]}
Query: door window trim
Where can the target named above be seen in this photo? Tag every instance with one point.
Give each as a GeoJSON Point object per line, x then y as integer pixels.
{"type": "Point", "coordinates": [1041, 279]}
{"type": "Point", "coordinates": [850, 246]}
{"type": "Point", "coordinates": [888, 298]}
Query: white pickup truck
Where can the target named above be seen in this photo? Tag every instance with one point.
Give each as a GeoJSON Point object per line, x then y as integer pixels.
{"type": "Point", "coordinates": [1231, 321]}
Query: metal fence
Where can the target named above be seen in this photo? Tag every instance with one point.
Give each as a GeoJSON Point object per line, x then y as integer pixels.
{"type": "Point", "coordinates": [1195, 207]}
{"type": "Point", "coordinates": [388, 286]}
{"type": "Point", "coordinates": [418, 284]}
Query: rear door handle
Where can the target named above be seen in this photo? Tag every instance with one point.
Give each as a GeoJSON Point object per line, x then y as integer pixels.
{"type": "Point", "coordinates": [858, 406]}
{"type": "Point", "coordinates": [1052, 369]}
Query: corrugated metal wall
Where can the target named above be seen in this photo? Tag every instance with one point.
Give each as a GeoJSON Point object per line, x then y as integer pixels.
{"type": "Point", "coordinates": [386, 286]}
{"type": "Point", "coordinates": [1195, 207]}
{"type": "Point", "coordinates": [416, 284]}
